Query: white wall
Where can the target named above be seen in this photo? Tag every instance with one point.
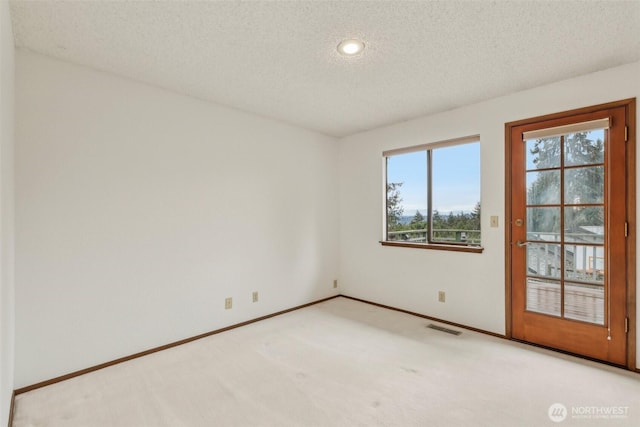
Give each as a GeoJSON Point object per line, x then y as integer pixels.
{"type": "Point", "coordinates": [133, 203]}
{"type": "Point", "coordinates": [139, 210]}
{"type": "Point", "coordinates": [6, 212]}
{"type": "Point", "coordinates": [474, 283]}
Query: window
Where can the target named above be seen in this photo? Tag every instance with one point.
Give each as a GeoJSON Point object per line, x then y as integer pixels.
{"type": "Point", "coordinates": [433, 195]}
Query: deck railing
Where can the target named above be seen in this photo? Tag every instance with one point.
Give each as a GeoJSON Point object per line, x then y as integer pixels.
{"type": "Point", "coordinates": [448, 235]}
{"type": "Point", "coordinates": [584, 271]}
{"type": "Point", "coordinates": [584, 255]}
{"type": "Point", "coordinates": [581, 301]}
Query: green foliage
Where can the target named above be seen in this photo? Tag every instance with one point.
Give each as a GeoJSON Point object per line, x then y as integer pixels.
{"type": "Point", "coordinates": [453, 227]}
{"type": "Point", "coordinates": [584, 183]}
{"type": "Point", "coordinates": [418, 222]}
{"type": "Point", "coordinates": [460, 221]}
{"type": "Point", "coordinates": [476, 213]}
{"type": "Point", "coordinates": [394, 209]}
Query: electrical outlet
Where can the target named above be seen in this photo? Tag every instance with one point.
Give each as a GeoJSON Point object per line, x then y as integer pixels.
{"type": "Point", "coordinates": [335, 283]}
{"type": "Point", "coordinates": [494, 221]}
{"type": "Point", "coordinates": [441, 296]}
{"type": "Point", "coordinates": [228, 303]}
{"type": "Point", "coordinates": [255, 296]}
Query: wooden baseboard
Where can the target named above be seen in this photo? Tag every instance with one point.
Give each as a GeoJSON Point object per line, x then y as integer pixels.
{"type": "Point", "coordinates": [237, 325]}
{"type": "Point", "coordinates": [160, 348]}
{"type": "Point", "coordinates": [493, 334]}
{"type": "Point", "coordinates": [11, 406]}
{"type": "Point", "coordinates": [435, 319]}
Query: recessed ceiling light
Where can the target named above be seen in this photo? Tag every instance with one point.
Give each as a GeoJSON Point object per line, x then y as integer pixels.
{"type": "Point", "coordinates": [350, 47]}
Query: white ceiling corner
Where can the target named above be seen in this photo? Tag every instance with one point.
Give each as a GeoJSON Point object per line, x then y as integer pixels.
{"type": "Point", "coordinates": [278, 58]}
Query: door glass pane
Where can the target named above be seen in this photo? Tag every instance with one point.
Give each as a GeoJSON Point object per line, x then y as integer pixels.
{"type": "Point", "coordinates": [543, 224]}
{"type": "Point", "coordinates": [584, 224]}
{"type": "Point", "coordinates": [543, 188]}
{"type": "Point", "coordinates": [543, 296]}
{"type": "Point", "coordinates": [543, 259]}
{"type": "Point", "coordinates": [584, 148]}
{"type": "Point", "coordinates": [584, 302]}
{"type": "Point", "coordinates": [584, 263]}
{"type": "Point", "coordinates": [584, 185]}
{"type": "Point", "coordinates": [543, 153]}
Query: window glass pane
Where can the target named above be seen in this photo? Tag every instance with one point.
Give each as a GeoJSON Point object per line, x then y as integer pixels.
{"type": "Point", "coordinates": [543, 153]}
{"type": "Point", "coordinates": [584, 224]}
{"type": "Point", "coordinates": [543, 296]}
{"type": "Point", "coordinates": [543, 224]}
{"type": "Point", "coordinates": [543, 188]}
{"type": "Point", "coordinates": [407, 197]}
{"type": "Point", "coordinates": [584, 185]}
{"type": "Point", "coordinates": [584, 148]}
{"type": "Point", "coordinates": [456, 193]}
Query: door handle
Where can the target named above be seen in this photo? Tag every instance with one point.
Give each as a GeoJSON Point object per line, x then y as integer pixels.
{"type": "Point", "coordinates": [521, 244]}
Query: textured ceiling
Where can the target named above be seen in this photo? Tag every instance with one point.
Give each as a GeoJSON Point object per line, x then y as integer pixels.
{"type": "Point", "coordinates": [278, 59]}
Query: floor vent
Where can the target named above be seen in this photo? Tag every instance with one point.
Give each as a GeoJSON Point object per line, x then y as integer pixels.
{"type": "Point", "coordinates": [441, 329]}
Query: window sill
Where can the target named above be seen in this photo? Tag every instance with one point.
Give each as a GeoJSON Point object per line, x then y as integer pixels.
{"type": "Point", "coordinates": [440, 247]}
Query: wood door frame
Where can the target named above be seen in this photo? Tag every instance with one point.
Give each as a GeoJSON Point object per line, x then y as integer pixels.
{"type": "Point", "coordinates": [630, 106]}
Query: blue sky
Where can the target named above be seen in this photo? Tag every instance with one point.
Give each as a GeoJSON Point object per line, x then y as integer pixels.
{"type": "Point", "coordinates": [456, 178]}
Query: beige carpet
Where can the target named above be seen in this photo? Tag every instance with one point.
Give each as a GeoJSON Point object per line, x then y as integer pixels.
{"type": "Point", "coordinates": [341, 363]}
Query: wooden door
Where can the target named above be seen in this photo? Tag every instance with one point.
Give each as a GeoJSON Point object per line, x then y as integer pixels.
{"type": "Point", "coordinates": [568, 237]}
